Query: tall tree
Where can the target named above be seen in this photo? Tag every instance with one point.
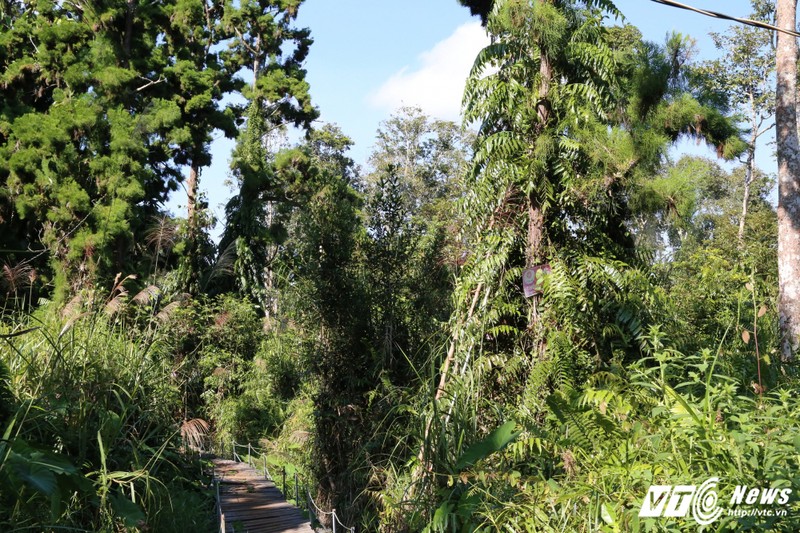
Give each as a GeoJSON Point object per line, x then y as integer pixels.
{"type": "Point", "coordinates": [571, 116]}
{"type": "Point", "coordinates": [196, 79]}
{"type": "Point", "coordinates": [85, 150]}
{"type": "Point", "coordinates": [788, 179]}
{"type": "Point", "coordinates": [428, 156]}
{"type": "Point", "coordinates": [266, 43]}
{"type": "Point", "coordinates": [744, 75]}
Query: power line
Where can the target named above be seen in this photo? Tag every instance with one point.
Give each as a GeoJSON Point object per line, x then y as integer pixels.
{"type": "Point", "coordinates": [714, 14]}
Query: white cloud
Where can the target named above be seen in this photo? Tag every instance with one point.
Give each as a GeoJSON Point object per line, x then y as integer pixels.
{"type": "Point", "coordinates": [437, 84]}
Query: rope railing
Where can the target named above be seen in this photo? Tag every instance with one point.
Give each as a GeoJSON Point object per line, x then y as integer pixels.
{"type": "Point", "coordinates": [316, 511]}
{"type": "Point", "coordinates": [310, 505]}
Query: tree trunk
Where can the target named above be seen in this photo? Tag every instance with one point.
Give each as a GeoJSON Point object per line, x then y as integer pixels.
{"type": "Point", "coordinates": [546, 74]}
{"type": "Point", "coordinates": [191, 195]}
{"type": "Point", "coordinates": [748, 180]}
{"type": "Point", "coordinates": [129, 16]}
{"type": "Point", "coordinates": [788, 180]}
{"type": "Point", "coordinates": [193, 249]}
{"type": "Point", "coordinates": [545, 77]}
{"type": "Point", "coordinates": [535, 233]}
{"type": "Point", "coordinates": [256, 63]}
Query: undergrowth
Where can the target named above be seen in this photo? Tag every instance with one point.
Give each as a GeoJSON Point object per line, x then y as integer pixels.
{"type": "Point", "coordinates": [90, 427]}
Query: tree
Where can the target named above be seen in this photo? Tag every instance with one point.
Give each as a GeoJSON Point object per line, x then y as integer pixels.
{"type": "Point", "coordinates": [706, 271]}
{"type": "Point", "coordinates": [85, 158]}
{"type": "Point", "coordinates": [788, 172]}
{"type": "Point", "coordinates": [744, 76]}
{"type": "Point", "coordinates": [572, 116]}
{"type": "Point", "coordinates": [428, 155]}
{"type": "Point", "coordinates": [482, 8]}
{"type": "Point", "coordinates": [249, 221]}
{"type": "Point", "coordinates": [196, 78]}
{"type": "Point", "coordinates": [264, 42]}
{"type": "Point", "coordinates": [788, 179]}
{"type": "Point", "coordinates": [575, 117]}
{"type": "Point", "coordinates": [323, 258]}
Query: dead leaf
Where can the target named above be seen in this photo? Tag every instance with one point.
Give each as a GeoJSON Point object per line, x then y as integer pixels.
{"type": "Point", "coordinates": [762, 311]}
{"type": "Point", "coordinates": [748, 286]}
{"type": "Point", "coordinates": [746, 336]}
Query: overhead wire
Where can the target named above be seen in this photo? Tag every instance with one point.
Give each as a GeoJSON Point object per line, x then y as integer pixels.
{"type": "Point", "coordinates": [715, 14]}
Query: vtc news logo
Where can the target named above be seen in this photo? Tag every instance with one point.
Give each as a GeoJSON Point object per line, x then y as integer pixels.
{"type": "Point", "coordinates": [676, 501]}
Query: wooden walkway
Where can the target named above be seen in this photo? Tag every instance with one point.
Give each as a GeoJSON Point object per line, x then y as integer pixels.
{"type": "Point", "coordinates": [252, 504]}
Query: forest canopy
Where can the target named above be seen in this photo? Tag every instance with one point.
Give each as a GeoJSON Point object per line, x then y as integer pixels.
{"type": "Point", "coordinates": [521, 322]}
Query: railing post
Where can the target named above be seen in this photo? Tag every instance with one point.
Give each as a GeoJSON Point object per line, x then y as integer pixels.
{"type": "Point", "coordinates": [296, 494]}
{"type": "Point", "coordinates": [333, 519]}
{"type": "Point", "coordinates": [220, 514]}
{"type": "Point", "coordinates": [265, 466]}
{"type": "Point", "coordinates": [283, 489]}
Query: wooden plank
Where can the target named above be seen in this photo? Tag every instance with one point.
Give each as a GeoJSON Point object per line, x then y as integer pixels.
{"type": "Point", "coordinates": [254, 503]}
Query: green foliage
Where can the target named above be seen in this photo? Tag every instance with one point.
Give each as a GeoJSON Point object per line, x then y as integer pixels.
{"type": "Point", "coordinates": [573, 118]}
{"type": "Point", "coordinates": [92, 441]}
{"type": "Point", "coordinates": [492, 443]}
{"type": "Point", "coordinates": [587, 464]}
{"type": "Point", "coordinates": [104, 108]}
{"type": "Point", "coordinates": [371, 332]}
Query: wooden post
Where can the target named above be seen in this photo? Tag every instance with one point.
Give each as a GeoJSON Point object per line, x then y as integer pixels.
{"type": "Point", "coordinates": [308, 505]}
{"type": "Point", "coordinates": [284, 481]}
{"type": "Point", "coordinates": [265, 467]}
{"type": "Point", "coordinates": [296, 494]}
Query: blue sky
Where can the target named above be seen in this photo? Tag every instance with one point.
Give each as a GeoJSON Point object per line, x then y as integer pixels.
{"type": "Point", "coordinates": [371, 56]}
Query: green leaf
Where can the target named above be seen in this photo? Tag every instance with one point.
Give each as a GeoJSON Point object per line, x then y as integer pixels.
{"type": "Point", "coordinates": [607, 515]}
{"type": "Point", "coordinates": [130, 513]}
{"type": "Point", "coordinates": [37, 475]}
{"type": "Point", "coordinates": [493, 442]}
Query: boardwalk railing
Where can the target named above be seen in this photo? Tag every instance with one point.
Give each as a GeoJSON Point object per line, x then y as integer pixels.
{"type": "Point", "coordinates": [257, 457]}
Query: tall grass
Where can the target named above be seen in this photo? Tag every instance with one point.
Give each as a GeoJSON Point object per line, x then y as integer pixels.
{"type": "Point", "coordinates": [585, 462]}
{"type": "Point", "coordinates": [91, 438]}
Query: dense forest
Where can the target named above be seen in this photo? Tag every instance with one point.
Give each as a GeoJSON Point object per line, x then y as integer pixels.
{"type": "Point", "coordinates": [518, 323]}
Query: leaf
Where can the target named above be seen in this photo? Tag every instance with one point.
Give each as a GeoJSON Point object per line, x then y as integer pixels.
{"type": "Point", "coordinates": [18, 333]}
{"type": "Point", "coordinates": [39, 469]}
{"type": "Point", "coordinates": [746, 336]}
{"type": "Point", "coordinates": [37, 475]}
{"type": "Point", "coordinates": [493, 442]}
{"type": "Point", "coordinates": [607, 515]}
{"type": "Point", "coordinates": [748, 286]}
{"type": "Point", "coordinates": [762, 311]}
{"type": "Point", "coordinates": [130, 513]}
